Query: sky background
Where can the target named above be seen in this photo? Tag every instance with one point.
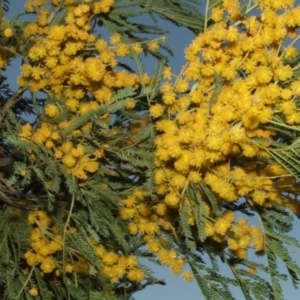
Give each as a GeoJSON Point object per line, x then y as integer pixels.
{"type": "Point", "coordinates": [175, 288]}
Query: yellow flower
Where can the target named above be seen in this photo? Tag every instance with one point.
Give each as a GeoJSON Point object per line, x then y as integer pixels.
{"type": "Point", "coordinates": [167, 73]}
{"type": "Point", "coordinates": [31, 29]}
{"type": "Point", "coordinates": [251, 118]}
{"type": "Point", "coordinates": [109, 258]}
{"type": "Point", "coordinates": [172, 199]}
{"type": "Point", "coordinates": [156, 110]}
{"type": "Point", "coordinates": [26, 131]}
{"type": "Point", "coordinates": [182, 86]}
{"type": "Point", "coordinates": [209, 229]}
{"type": "Point", "coordinates": [283, 72]}
{"type": "Point", "coordinates": [259, 197]}
{"type": "Point", "coordinates": [286, 94]}
{"type": "Point", "coordinates": [249, 150]}
{"type": "Point", "coordinates": [136, 275]}
{"type": "Point", "coordinates": [288, 107]}
{"type": "Point", "coordinates": [127, 213]}
{"type": "Point", "coordinates": [263, 74]}
{"type": "Point", "coordinates": [79, 173]}
{"type": "Point", "coordinates": [213, 142]}
{"type": "Point", "coordinates": [232, 34]}
{"type": "Point", "coordinates": [84, 108]}
{"type": "Point", "coordinates": [217, 14]}
{"type": "Point", "coordinates": [78, 151]}
{"type": "Point", "coordinates": [232, 244]}
{"type": "Point", "coordinates": [244, 242]}
{"type": "Point", "coordinates": [169, 98]}
{"type": "Point", "coordinates": [68, 268]}
{"type": "Point", "coordinates": [177, 266]}
{"type": "Point", "coordinates": [153, 246]}
{"type": "Point", "coordinates": [57, 32]}
{"type": "Point", "coordinates": [101, 45]}
{"type": "Point", "coordinates": [133, 228]}
{"type": "Point", "coordinates": [290, 52]}
{"type": "Point", "coordinates": [33, 292]}
{"type": "Point", "coordinates": [130, 104]}
{"type": "Point", "coordinates": [30, 258]}
{"type": "Point", "coordinates": [72, 104]}
{"type": "Point", "coordinates": [145, 79]}
{"type": "Point", "coordinates": [54, 247]}
{"type": "Point", "coordinates": [8, 32]}
{"type": "Point", "coordinates": [51, 61]}
{"type": "Point", "coordinates": [69, 161]}
{"type": "Point", "coordinates": [89, 166]}
{"type": "Point", "coordinates": [178, 181]}
{"type": "Point", "coordinates": [51, 110]}
{"type": "Point", "coordinates": [81, 266]}
{"type": "Point", "coordinates": [122, 50]}
{"type": "Point", "coordinates": [137, 48]}
{"type": "Point", "coordinates": [48, 265]}
{"type": "Point", "coordinates": [129, 202]}
{"type": "Point", "coordinates": [293, 118]}
{"type": "Point", "coordinates": [58, 154]}
{"type": "Point", "coordinates": [131, 261]}
{"type": "Point", "coordinates": [188, 276]}
{"type": "Point", "coordinates": [66, 147]}
{"type": "Point", "coordinates": [252, 270]}
{"type": "Point", "coordinates": [37, 51]}
{"type": "Point", "coordinates": [161, 209]}
{"type": "Point", "coordinates": [153, 45]}
{"type": "Point", "coordinates": [100, 251]}
{"type": "Point", "coordinates": [94, 69]}
{"type": "Point", "coordinates": [116, 38]}
{"type": "Point", "coordinates": [222, 226]}
{"type": "Point", "coordinates": [241, 253]}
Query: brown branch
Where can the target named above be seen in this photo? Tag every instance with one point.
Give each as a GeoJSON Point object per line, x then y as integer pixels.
{"type": "Point", "coordinates": [19, 203]}
{"type": "Point", "coordinates": [109, 172]}
{"type": "Point", "coordinates": [7, 160]}
{"type": "Point", "coordinates": [11, 102]}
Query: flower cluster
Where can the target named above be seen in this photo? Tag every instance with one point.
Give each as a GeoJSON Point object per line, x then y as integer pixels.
{"type": "Point", "coordinates": [75, 85]}
{"type": "Point", "coordinates": [117, 266]}
{"type": "Point", "coordinates": [212, 118]}
{"type": "Point", "coordinates": [77, 71]}
{"type": "Point", "coordinates": [43, 244]}
{"type": "Point", "coordinates": [46, 244]}
{"type": "Point", "coordinates": [150, 221]}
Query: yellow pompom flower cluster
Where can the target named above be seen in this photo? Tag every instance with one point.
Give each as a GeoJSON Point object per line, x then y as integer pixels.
{"type": "Point", "coordinates": [242, 236]}
{"type": "Point", "coordinates": [46, 241]}
{"type": "Point", "coordinates": [150, 221]}
{"type": "Point", "coordinates": [135, 208]}
{"type": "Point", "coordinates": [212, 117]}
{"type": "Point", "coordinates": [75, 85]}
{"type": "Point", "coordinates": [43, 246]}
{"type": "Point", "coordinates": [238, 235]}
{"type": "Point", "coordinates": [116, 266]}
{"type": "Point", "coordinates": [33, 292]}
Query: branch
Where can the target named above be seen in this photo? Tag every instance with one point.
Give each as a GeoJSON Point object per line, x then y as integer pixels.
{"type": "Point", "coordinates": [11, 102]}
{"type": "Point", "coordinates": [7, 160]}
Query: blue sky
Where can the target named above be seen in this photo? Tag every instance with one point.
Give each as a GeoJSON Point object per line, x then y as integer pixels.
{"type": "Point", "coordinates": [175, 288]}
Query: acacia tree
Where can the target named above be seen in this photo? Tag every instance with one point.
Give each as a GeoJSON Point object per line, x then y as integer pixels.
{"type": "Point", "coordinates": [116, 164]}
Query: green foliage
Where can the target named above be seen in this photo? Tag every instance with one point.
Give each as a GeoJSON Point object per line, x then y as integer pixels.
{"type": "Point", "coordinates": [86, 212]}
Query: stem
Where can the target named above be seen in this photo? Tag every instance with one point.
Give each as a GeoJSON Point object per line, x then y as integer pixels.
{"type": "Point", "coordinates": [54, 13]}
{"type": "Point", "coordinates": [297, 128]}
{"type": "Point", "coordinates": [206, 15]}
{"type": "Point", "coordinates": [25, 283]}
{"type": "Point", "coordinates": [11, 102]}
{"type": "Point", "coordinates": [65, 231]}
